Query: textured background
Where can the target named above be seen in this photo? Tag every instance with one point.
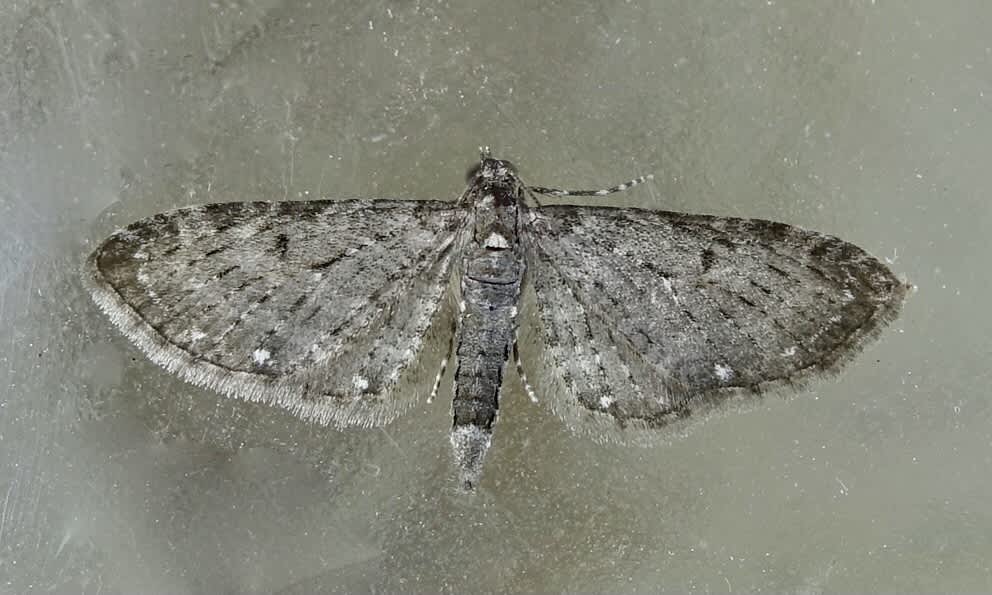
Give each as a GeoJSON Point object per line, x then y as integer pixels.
{"type": "Point", "coordinates": [868, 120]}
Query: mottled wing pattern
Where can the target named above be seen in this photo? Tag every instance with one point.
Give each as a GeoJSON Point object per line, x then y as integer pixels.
{"type": "Point", "coordinates": [650, 317]}
{"type": "Point", "coordinates": [286, 302]}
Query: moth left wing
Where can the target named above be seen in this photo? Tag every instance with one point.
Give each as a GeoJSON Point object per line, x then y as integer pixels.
{"type": "Point", "coordinates": [322, 307]}
{"type": "Point", "coordinates": [645, 318]}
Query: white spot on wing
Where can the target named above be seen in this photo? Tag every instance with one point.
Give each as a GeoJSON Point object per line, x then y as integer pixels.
{"type": "Point", "coordinates": [789, 352]}
{"type": "Point", "coordinates": [605, 402]}
{"type": "Point", "coordinates": [261, 356]}
{"type": "Point", "coordinates": [723, 372]}
{"type": "Point", "coordinates": [360, 382]}
{"type": "Point", "coordinates": [671, 291]}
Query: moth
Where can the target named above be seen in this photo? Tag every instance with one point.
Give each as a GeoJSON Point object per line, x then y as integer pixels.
{"type": "Point", "coordinates": [639, 318]}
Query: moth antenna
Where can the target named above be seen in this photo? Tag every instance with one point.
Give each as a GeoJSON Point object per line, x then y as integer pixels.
{"type": "Point", "coordinates": [603, 192]}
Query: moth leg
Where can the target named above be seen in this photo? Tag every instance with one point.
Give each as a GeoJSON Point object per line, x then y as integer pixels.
{"type": "Point", "coordinates": [444, 366]}
{"type": "Point", "coordinates": [520, 370]}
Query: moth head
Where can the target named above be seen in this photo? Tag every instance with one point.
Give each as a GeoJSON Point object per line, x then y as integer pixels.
{"type": "Point", "coordinates": [489, 169]}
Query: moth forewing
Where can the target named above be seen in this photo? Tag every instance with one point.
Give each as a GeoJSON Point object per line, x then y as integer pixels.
{"type": "Point", "coordinates": [650, 317]}
{"type": "Point", "coordinates": [320, 307]}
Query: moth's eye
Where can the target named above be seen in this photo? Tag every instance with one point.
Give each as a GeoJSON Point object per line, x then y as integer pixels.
{"type": "Point", "coordinates": [472, 172]}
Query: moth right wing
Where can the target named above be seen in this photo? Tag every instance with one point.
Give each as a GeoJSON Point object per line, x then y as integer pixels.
{"type": "Point", "coordinates": [647, 319]}
{"type": "Point", "coordinates": [321, 307]}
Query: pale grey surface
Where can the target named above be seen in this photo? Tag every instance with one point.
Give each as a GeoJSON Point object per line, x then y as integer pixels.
{"type": "Point", "coordinates": [869, 120]}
